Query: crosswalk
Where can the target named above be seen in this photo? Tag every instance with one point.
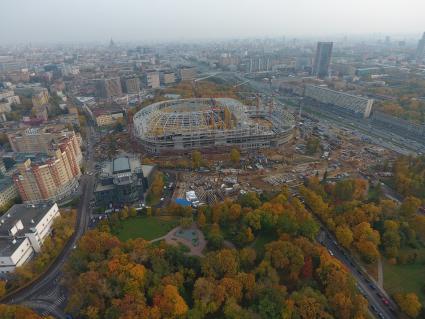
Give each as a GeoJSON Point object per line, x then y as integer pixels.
{"type": "Point", "coordinates": [53, 306]}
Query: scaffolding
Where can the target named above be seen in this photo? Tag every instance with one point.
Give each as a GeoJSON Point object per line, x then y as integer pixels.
{"type": "Point", "coordinates": [205, 122]}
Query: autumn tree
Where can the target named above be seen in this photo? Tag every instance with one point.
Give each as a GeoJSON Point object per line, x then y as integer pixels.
{"type": "Point", "coordinates": [196, 159]}
{"type": "Point", "coordinates": [170, 303]}
{"type": "Point", "coordinates": [221, 263]}
{"type": "Point", "coordinates": [410, 206]}
{"type": "Point", "coordinates": [201, 219]}
{"type": "Point", "coordinates": [2, 288]}
{"type": "Point", "coordinates": [409, 304]}
{"type": "Point", "coordinates": [235, 156]}
{"type": "Point", "coordinates": [344, 236]}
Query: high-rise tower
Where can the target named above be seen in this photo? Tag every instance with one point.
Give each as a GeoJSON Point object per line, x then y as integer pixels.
{"type": "Point", "coordinates": [420, 51]}
{"type": "Point", "coordinates": [322, 59]}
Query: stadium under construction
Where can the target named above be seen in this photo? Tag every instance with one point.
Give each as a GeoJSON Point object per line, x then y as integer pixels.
{"type": "Point", "coordinates": [206, 123]}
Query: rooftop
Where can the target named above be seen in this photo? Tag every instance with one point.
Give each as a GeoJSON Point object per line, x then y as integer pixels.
{"type": "Point", "coordinates": [29, 215]}
{"type": "Point", "coordinates": [121, 164]}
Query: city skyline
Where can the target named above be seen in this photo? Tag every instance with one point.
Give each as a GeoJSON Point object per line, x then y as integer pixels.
{"type": "Point", "coordinates": [129, 20]}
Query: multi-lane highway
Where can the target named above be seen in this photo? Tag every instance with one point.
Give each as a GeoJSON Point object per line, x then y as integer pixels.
{"type": "Point", "coordinates": [380, 304]}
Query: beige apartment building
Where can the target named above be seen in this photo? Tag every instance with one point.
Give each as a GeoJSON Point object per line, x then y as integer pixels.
{"type": "Point", "coordinates": [107, 117]}
{"type": "Point", "coordinates": [52, 176]}
{"type": "Point", "coordinates": [39, 140]}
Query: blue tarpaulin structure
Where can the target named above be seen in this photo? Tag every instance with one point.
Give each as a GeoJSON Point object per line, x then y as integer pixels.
{"type": "Point", "coordinates": [183, 202]}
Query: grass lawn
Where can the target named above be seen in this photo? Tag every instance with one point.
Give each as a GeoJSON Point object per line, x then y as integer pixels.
{"type": "Point", "coordinates": [147, 227]}
{"type": "Point", "coordinates": [262, 240]}
{"type": "Point", "coordinates": [405, 278]}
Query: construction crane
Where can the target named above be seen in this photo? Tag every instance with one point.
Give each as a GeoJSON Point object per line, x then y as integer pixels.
{"type": "Point", "coordinates": [195, 84]}
{"type": "Point", "coordinates": [258, 103]}
{"type": "Point", "coordinates": [239, 84]}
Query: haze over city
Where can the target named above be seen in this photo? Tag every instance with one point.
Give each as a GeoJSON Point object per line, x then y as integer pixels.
{"type": "Point", "coordinates": [233, 159]}
{"type": "Point", "coordinates": [169, 20]}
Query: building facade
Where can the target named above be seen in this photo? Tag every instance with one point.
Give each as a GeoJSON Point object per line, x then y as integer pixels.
{"type": "Point", "coordinates": [107, 117]}
{"type": "Point", "coordinates": [322, 59]}
{"type": "Point", "coordinates": [8, 191]}
{"type": "Point", "coordinates": [420, 51]}
{"type": "Point", "coordinates": [122, 181]}
{"type": "Point", "coordinates": [152, 80]}
{"type": "Point", "coordinates": [52, 176]}
{"type": "Point", "coordinates": [35, 140]}
{"type": "Point", "coordinates": [107, 88]}
{"type": "Point", "coordinates": [131, 85]}
{"type": "Point", "coordinates": [23, 229]}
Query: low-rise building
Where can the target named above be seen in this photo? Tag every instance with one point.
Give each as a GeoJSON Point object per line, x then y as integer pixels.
{"type": "Point", "coordinates": [107, 116]}
{"type": "Point", "coordinates": [353, 104]}
{"type": "Point", "coordinates": [122, 181]}
{"type": "Point", "coordinates": [23, 229]}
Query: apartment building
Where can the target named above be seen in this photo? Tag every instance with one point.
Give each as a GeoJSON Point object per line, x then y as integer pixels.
{"type": "Point", "coordinates": [40, 97]}
{"type": "Point", "coordinates": [39, 139]}
{"type": "Point", "coordinates": [152, 79]}
{"type": "Point", "coordinates": [50, 176]}
{"type": "Point", "coordinates": [8, 191]}
{"type": "Point", "coordinates": [131, 85]}
{"type": "Point", "coordinates": [108, 88]}
{"type": "Point", "coordinates": [23, 229]}
{"type": "Point", "coordinates": [107, 117]}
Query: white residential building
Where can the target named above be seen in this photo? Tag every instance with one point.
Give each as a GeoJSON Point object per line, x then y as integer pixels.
{"type": "Point", "coordinates": [23, 229]}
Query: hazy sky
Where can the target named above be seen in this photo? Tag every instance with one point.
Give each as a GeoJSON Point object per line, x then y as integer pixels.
{"type": "Point", "coordinates": [139, 20]}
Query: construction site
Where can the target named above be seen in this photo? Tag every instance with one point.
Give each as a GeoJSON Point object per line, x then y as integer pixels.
{"type": "Point", "coordinates": [212, 123]}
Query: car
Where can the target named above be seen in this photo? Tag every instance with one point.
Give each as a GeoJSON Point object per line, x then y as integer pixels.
{"type": "Point", "coordinates": [374, 309]}
{"type": "Point", "coordinates": [371, 286]}
{"type": "Point", "coordinates": [330, 252]}
{"type": "Point", "coordinates": [381, 315]}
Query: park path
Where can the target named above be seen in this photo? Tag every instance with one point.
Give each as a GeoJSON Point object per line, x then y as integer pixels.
{"type": "Point", "coordinates": [380, 273]}
{"type": "Point", "coordinates": [172, 239]}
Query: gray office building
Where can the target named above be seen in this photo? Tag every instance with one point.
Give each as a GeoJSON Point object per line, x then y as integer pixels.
{"type": "Point", "coordinates": [322, 59]}
{"type": "Point", "coordinates": [123, 180]}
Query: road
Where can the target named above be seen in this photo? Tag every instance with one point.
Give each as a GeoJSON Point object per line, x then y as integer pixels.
{"type": "Point", "coordinates": [45, 295]}
{"type": "Point", "coordinates": [368, 287]}
{"type": "Point", "coordinates": [379, 136]}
